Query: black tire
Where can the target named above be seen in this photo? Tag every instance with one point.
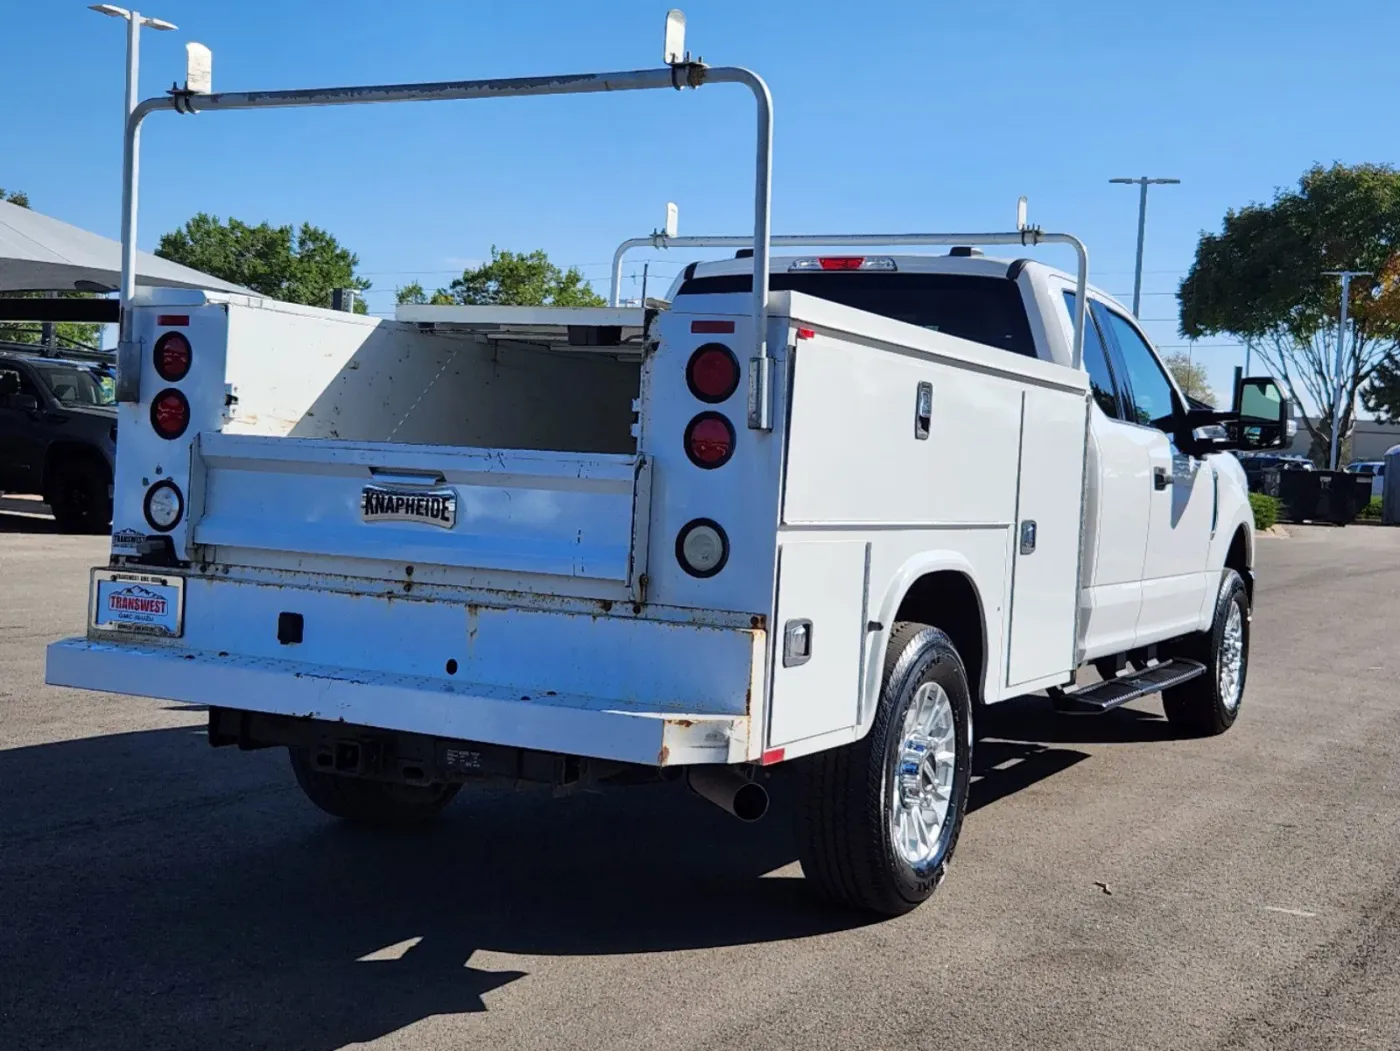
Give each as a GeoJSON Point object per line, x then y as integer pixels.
{"type": "Point", "coordinates": [843, 822]}
{"type": "Point", "coordinates": [1199, 708]}
{"type": "Point", "coordinates": [77, 496]}
{"type": "Point", "coordinates": [369, 802]}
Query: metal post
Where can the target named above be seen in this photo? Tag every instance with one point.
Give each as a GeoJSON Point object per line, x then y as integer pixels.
{"type": "Point", "coordinates": [1028, 236]}
{"type": "Point", "coordinates": [671, 77]}
{"type": "Point", "coordinates": [1143, 182]}
{"type": "Point", "coordinates": [1142, 236]}
{"type": "Point", "coordinates": [1334, 454]}
{"type": "Point", "coordinates": [128, 377]}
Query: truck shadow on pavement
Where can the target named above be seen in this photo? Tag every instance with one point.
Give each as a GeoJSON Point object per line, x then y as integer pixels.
{"type": "Point", "coordinates": [158, 894]}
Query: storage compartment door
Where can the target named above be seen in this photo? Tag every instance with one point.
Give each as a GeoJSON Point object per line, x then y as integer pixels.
{"type": "Point", "coordinates": [1045, 540]}
{"type": "Point", "coordinates": [821, 596]}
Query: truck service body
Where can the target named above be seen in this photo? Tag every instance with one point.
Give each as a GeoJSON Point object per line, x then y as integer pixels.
{"type": "Point", "coordinates": [575, 544]}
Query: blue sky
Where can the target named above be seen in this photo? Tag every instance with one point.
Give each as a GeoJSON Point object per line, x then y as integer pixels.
{"type": "Point", "coordinates": [890, 115]}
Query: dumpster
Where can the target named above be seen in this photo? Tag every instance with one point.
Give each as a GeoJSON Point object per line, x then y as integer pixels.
{"type": "Point", "coordinates": [1318, 496]}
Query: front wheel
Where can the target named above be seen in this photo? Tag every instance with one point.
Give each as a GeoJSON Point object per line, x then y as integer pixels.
{"type": "Point", "coordinates": [877, 820]}
{"type": "Point", "coordinates": [369, 802]}
{"type": "Point", "coordinates": [1209, 704]}
{"type": "Point", "coordinates": [78, 497]}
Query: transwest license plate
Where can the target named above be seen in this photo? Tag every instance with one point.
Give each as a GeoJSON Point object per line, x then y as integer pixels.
{"type": "Point", "coordinates": [137, 603]}
{"type": "Point", "coordinates": [437, 507]}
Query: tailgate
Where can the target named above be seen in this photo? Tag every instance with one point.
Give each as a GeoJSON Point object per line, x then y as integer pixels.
{"type": "Point", "coordinates": [580, 515]}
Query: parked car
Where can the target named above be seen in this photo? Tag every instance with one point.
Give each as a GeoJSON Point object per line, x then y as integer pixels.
{"type": "Point", "coordinates": [1375, 468]}
{"type": "Point", "coordinates": [58, 436]}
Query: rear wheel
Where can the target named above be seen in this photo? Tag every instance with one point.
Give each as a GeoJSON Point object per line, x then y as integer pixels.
{"type": "Point", "coordinates": [369, 802]}
{"type": "Point", "coordinates": [878, 819]}
{"type": "Point", "coordinates": [77, 496]}
{"type": "Point", "coordinates": [1209, 704]}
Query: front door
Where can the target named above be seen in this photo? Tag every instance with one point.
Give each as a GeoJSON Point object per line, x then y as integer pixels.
{"type": "Point", "coordinates": [21, 437]}
{"type": "Point", "coordinates": [1181, 495]}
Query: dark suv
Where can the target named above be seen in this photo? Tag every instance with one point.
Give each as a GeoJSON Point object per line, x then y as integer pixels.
{"type": "Point", "coordinates": [58, 436]}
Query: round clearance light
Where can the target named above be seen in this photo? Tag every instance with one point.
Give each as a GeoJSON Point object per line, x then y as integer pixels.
{"type": "Point", "coordinates": [702, 549]}
{"type": "Point", "coordinates": [173, 357]}
{"type": "Point", "coordinates": [165, 506]}
{"type": "Point", "coordinates": [170, 413]}
{"type": "Point", "coordinates": [709, 440]}
{"type": "Point", "coordinates": [712, 374]}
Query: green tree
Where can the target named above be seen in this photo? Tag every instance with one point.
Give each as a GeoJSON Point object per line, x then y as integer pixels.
{"type": "Point", "coordinates": [1190, 376]}
{"type": "Point", "coordinates": [1261, 280]}
{"type": "Point", "coordinates": [521, 279]}
{"type": "Point", "coordinates": [68, 334]}
{"type": "Point", "coordinates": [294, 265]}
{"type": "Point", "coordinates": [1383, 395]}
{"type": "Point", "coordinates": [415, 294]}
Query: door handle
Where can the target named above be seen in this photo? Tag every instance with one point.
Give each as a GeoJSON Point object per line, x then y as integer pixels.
{"type": "Point", "coordinates": [1161, 478]}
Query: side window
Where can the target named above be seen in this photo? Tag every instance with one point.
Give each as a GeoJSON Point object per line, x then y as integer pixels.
{"type": "Point", "coordinates": [1152, 400]}
{"type": "Point", "coordinates": [1096, 363]}
{"type": "Point", "coordinates": [13, 382]}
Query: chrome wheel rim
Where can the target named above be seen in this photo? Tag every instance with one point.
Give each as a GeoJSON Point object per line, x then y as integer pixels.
{"type": "Point", "coordinates": [1232, 658]}
{"type": "Point", "coordinates": [921, 785]}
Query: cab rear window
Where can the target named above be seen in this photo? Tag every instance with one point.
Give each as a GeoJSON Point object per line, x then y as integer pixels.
{"type": "Point", "coordinates": [984, 309]}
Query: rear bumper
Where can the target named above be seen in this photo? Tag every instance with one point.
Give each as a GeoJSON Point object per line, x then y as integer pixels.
{"type": "Point", "coordinates": [571, 724]}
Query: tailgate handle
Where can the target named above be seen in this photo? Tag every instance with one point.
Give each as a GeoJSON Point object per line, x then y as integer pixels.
{"type": "Point", "coordinates": [407, 477]}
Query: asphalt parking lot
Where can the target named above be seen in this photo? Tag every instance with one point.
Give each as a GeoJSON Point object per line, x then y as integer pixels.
{"type": "Point", "coordinates": [1114, 888]}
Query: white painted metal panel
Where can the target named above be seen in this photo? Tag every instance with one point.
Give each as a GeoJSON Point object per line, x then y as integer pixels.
{"type": "Point", "coordinates": [1045, 573]}
{"type": "Point", "coordinates": [1120, 487]}
{"type": "Point", "coordinates": [561, 514]}
{"type": "Point", "coordinates": [742, 495]}
{"type": "Point", "coordinates": [853, 456]}
{"type": "Point", "coordinates": [821, 581]}
{"type": "Point", "coordinates": [325, 374]}
{"type": "Point", "coordinates": [647, 664]}
{"type": "Point", "coordinates": [1178, 541]}
{"type": "Point", "coordinates": [567, 723]}
{"type": "Point", "coordinates": [898, 557]}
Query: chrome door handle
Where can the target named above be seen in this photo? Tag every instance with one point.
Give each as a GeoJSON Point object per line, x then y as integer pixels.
{"type": "Point", "coordinates": [1161, 478]}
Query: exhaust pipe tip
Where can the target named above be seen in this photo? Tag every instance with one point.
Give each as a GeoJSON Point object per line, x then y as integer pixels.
{"type": "Point", "coordinates": [729, 790]}
{"type": "Point", "coordinates": [750, 802]}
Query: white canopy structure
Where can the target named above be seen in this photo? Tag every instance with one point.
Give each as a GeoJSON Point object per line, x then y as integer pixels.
{"type": "Point", "coordinates": [38, 253]}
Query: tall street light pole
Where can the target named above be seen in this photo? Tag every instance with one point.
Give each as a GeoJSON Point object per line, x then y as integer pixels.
{"type": "Point", "coordinates": [134, 21]}
{"type": "Point", "coordinates": [1342, 384]}
{"type": "Point", "coordinates": [1143, 182]}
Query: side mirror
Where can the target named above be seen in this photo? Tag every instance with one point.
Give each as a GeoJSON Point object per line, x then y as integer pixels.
{"type": "Point", "coordinates": [1261, 414]}
{"type": "Point", "coordinates": [22, 402]}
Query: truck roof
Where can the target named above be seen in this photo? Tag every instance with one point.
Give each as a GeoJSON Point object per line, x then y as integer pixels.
{"type": "Point", "coordinates": [973, 264]}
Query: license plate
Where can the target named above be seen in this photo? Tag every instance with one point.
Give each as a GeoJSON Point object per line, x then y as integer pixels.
{"type": "Point", "coordinates": [137, 603]}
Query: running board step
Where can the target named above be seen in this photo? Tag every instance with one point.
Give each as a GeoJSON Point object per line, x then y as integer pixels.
{"type": "Point", "coordinates": [1105, 696]}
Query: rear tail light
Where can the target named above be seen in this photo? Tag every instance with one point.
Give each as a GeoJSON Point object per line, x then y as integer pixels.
{"type": "Point", "coordinates": [165, 506]}
{"type": "Point", "coordinates": [709, 440]}
{"type": "Point", "coordinates": [173, 357]}
{"type": "Point", "coordinates": [702, 549]}
{"type": "Point", "coordinates": [844, 262]}
{"type": "Point", "coordinates": [712, 374]}
{"type": "Point", "coordinates": [170, 413]}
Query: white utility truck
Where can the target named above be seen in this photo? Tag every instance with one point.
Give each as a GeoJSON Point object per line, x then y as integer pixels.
{"type": "Point", "coordinates": [802, 519]}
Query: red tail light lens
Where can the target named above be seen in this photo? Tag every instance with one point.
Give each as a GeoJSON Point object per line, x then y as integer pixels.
{"type": "Point", "coordinates": [709, 440]}
{"type": "Point", "coordinates": [841, 262]}
{"type": "Point", "coordinates": [173, 357]}
{"type": "Point", "coordinates": [712, 373]}
{"type": "Point", "coordinates": [170, 413]}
